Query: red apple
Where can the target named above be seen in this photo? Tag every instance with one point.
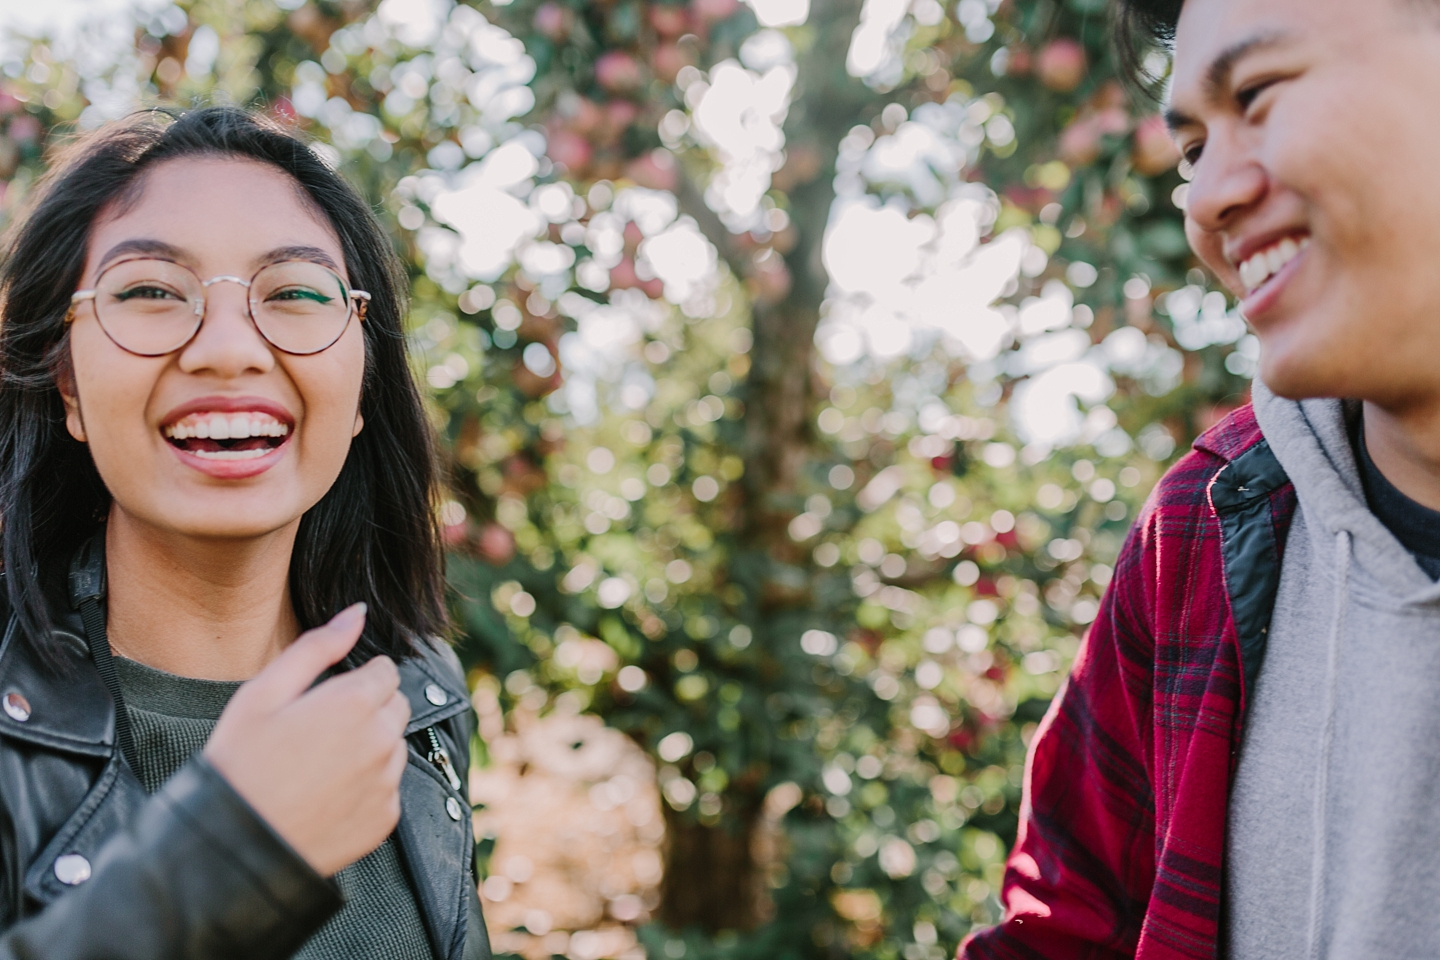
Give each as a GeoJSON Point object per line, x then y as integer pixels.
{"type": "Point", "coordinates": [770, 279]}
{"type": "Point", "coordinates": [618, 72]}
{"type": "Point", "coordinates": [1080, 142]}
{"type": "Point", "coordinates": [1061, 65]}
{"type": "Point", "coordinates": [1021, 61]}
{"type": "Point", "coordinates": [1154, 151]}
{"type": "Point", "coordinates": [668, 19]}
{"type": "Point", "coordinates": [497, 545]}
{"type": "Point", "coordinates": [622, 275]}
{"type": "Point", "coordinates": [570, 149]}
{"type": "Point", "coordinates": [655, 170]}
{"type": "Point", "coordinates": [553, 21]}
{"type": "Point", "coordinates": [619, 114]}
{"type": "Point", "coordinates": [667, 61]}
{"type": "Point", "coordinates": [713, 11]}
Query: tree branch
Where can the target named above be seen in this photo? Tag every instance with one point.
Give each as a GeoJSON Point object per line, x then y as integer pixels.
{"type": "Point", "coordinates": [691, 200]}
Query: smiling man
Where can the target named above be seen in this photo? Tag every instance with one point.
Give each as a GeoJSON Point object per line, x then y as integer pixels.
{"type": "Point", "coordinates": [1244, 760]}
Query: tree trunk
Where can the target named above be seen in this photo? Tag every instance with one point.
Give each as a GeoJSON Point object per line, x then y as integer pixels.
{"type": "Point", "coordinates": [712, 879]}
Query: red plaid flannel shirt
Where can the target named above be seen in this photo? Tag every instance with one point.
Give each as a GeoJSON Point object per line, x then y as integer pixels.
{"type": "Point", "coordinates": [1122, 835]}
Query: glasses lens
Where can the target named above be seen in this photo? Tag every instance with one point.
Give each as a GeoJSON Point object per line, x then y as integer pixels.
{"type": "Point", "coordinates": [148, 306]}
{"type": "Point", "coordinates": [300, 307]}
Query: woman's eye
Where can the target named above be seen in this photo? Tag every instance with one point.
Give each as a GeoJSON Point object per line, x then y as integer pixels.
{"type": "Point", "coordinates": [299, 293]}
{"type": "Point", "coordinates": [147, 292]}
{"type": "Point", "coordinates": [1191, 154]}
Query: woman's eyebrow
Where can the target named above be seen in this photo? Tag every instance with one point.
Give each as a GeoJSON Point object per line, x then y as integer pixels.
{"type": "Point", "coordinates": [313, 254]}
{"type": "Point", "coordinates": [144, 246]}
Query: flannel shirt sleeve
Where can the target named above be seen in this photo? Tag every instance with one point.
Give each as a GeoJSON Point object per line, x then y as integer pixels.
{"type": "Point", "coordinates": [1080, 877]}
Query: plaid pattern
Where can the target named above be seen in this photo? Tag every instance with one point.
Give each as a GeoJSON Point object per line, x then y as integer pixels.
{"type": "Point", "coordinates": [1122, 829]}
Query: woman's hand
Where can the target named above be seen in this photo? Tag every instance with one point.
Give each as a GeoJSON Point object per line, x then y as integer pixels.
{"type": "Point", "coordinates": [322, 766]}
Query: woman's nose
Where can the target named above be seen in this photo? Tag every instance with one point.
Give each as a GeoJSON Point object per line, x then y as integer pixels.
{"type": "Point", "coordinates": [228, 343]}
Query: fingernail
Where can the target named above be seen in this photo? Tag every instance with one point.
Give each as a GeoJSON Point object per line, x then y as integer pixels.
{"type": "Point", "coordinates": [350, 616]}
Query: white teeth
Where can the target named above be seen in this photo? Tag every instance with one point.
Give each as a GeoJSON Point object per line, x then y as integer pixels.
{"type": "Point", "coordinates": [1260, 267]}
{"type": "Point", "coordinates": [220, 426]}
{"type": "Point", "coordinates": [230, 454]}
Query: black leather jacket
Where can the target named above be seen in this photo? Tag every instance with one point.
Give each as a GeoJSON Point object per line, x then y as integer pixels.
{"type": "Point", "coordinates": [91, 867]}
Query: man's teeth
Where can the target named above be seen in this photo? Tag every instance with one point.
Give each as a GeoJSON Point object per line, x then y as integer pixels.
{"type": "Point", "coordinates": [1270, 261]}
{"type": "Point", "coordinates": [222, 426]}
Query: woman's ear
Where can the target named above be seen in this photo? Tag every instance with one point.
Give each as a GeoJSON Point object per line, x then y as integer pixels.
{"type": "Point", "coordinates": [359, 423]}
{"type": "Point", "coordinates": [63, 373]}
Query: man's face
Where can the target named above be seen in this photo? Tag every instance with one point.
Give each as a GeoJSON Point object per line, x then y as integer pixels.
{"type": "Point", "coordinates": [1312, 128]}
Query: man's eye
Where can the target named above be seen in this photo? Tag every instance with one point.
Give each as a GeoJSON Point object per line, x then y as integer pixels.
{"type": "Point", "coordinates": [1246, 96]}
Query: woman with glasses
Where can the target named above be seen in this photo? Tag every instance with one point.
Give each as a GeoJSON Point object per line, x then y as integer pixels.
{"type": "Point", "coordinates": [228, 726]}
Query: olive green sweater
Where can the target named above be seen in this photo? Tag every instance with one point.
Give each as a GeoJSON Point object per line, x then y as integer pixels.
{"type": "Point", "coordinates": [172, 718]}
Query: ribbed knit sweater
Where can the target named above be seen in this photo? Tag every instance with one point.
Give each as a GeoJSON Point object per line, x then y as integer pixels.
{"type": "Point", "coordinates": [173, 717]}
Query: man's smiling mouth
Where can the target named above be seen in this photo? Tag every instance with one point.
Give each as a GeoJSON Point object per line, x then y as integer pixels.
{"type": "Point", "coordinates": [1264, 264]}
{"type": "Point", "coordinates": [242, 435]}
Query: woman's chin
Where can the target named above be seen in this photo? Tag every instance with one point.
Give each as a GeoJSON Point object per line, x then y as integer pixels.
{"type": "Point", "coordinates": [202, 515]}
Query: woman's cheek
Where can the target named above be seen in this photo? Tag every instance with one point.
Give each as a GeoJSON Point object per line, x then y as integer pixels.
{"type": "Point", "coordinates": [330, 394]}
{"type": "Point", "coordinates": [108, 410]}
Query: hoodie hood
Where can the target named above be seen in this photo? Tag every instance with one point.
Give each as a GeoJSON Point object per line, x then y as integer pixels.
{"type": "Point", "coordinates": [1311, 439]}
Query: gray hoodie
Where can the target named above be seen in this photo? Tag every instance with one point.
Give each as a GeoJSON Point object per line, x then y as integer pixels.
{"type": "Point", "coordinates": [1334, 823]}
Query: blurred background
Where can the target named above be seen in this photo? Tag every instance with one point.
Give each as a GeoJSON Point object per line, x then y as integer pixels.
{"type": "Point", "coordinates": [801, 366]}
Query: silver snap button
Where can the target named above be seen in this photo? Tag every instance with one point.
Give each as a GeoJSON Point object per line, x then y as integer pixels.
{"type": "Point", "coordinates": [452, 807]}
{"type": "Point", "coordinates": [72, 869]}
{"type": "Point", "coordinates": [437, 696]}
{"type": "Point", "coordinates": [17, 707]}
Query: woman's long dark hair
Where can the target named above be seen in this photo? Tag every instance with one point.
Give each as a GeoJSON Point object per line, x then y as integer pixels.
{"type": "Point", "coordinates": [372, 537]}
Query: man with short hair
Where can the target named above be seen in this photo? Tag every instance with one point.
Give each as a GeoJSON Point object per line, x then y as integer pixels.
{"type": "Point", "coordinates": [1245, 758]}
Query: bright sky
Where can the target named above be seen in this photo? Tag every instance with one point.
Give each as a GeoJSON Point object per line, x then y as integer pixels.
{"type": "Point", "coordinates": [42, 17]}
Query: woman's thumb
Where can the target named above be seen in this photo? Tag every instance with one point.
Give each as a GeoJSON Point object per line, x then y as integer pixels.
{"type": "Point", "coordinates": [294, 671]}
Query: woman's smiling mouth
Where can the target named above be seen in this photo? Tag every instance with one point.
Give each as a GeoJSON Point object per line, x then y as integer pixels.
{"type": "Point", "coordinates": [229, 438]}
{"type": "Point", "coordinates": [244, 435]}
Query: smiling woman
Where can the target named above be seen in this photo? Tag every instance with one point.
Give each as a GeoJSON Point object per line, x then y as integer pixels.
{"type": "Point", "coordinates": [216, 481]}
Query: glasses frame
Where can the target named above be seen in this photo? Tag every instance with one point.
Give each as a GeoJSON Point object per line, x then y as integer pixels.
{"type": "Point", "coordinates": [357, 300]}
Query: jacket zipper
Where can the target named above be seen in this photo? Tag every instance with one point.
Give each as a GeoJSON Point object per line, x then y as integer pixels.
{"type": "Point", "coordinates": [441, 759]}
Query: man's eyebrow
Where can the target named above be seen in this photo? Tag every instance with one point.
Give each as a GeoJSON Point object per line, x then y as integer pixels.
{"type": "Point", "coordinates": [1217, 75]}
{"type": "Point", "coordinates": [1176, 119]}
{"type": "Point", "coordinates": [312, 254]}
{"type": "Point", "coordinates": [143, 246]}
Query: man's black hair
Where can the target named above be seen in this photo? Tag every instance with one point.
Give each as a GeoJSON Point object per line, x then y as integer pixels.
{"type": "Point", "coordinates": [372, 537]}
{"type": "Point", "coordinates": [1141, 25]}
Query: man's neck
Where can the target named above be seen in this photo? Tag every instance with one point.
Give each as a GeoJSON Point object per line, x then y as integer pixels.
{"type": "Point", "coordinates": [1405, 447]}
{"type": "Point", "coordinates": [211, 609]}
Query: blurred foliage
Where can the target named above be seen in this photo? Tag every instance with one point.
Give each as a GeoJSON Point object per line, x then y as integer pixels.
{"type": "Point", "coordinates": [850, 587]}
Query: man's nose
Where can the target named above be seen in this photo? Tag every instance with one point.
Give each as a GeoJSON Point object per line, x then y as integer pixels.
{"type": "Point", "coordinates": [1229, 180]}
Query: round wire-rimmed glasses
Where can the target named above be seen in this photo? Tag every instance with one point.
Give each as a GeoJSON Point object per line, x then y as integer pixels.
{"type": "Point", "coordinates": [151, 307]}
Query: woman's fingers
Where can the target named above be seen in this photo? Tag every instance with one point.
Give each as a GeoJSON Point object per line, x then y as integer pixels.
{"type": "Point", "coordinates": [313, 652]}
{"type": "Point", "coordinates": [396, 713]}
{"type": "Point", "coordinates": [322, 765]}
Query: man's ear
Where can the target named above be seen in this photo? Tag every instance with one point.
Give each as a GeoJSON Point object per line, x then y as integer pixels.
{"type": "Point", "coordinates": [63, 373]}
